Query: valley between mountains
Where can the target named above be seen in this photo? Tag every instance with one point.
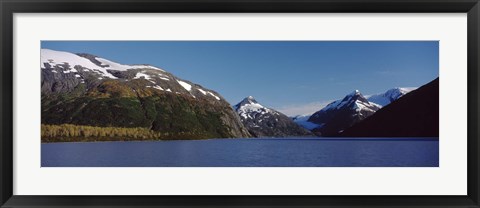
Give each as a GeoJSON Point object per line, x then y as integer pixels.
{"type": "Point", "coordinates": [89, 98]}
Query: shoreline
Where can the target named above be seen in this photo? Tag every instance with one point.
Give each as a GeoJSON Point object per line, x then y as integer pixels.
{"type": "Point", "coordinates": [277, 138]}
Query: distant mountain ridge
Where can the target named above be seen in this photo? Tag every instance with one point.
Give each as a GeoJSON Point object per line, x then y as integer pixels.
{"type": "Point", "coordinates": [415, 114]}
{"type": "Point", "coordinates": [379, 100]}
{"type": "Point", "coordinates": [265, 122]}
{"type": "Point", "coordinates": [341, 114]}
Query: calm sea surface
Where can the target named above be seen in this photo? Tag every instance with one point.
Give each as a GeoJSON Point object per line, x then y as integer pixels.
{"type": "Point", "coordinates": [291, 152]}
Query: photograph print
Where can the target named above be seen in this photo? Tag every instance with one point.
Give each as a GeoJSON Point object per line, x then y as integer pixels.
{"type": "Point", "coordinates": [239, 103]}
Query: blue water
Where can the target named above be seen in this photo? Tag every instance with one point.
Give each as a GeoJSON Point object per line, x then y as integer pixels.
{"type": "Point", "coordinates": [293, 152]}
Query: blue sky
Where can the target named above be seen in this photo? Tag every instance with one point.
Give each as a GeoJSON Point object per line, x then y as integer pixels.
{"type": "Point", "coordinates": [294, 77]}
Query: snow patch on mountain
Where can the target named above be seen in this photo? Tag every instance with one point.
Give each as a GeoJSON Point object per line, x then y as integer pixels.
{"type": "Point", "coordinates": [156, 87]}
{"type": "Point", "coordinates": [368, 106]}
{"type": "Point", "coordinates": [209, 93]}
{"type": "Point", "coordinates": [185, 85]}
{"type": "Point", "coordinates": [60, 58]}
{"type": "Point", "coordinates": [54, 58]}
{"type": "Point", "coordinates": [389, 96]}
{"type": "Point", "coordinates": [140, 75]}
{"type": "Point", "coordinates": [215, 96]}
{"type": "Point", "coordinates": [246, 110]}
{"type": "Point", "coordinates": [202, 91]}
{"type": "Point", "coordinates": [121, 67]}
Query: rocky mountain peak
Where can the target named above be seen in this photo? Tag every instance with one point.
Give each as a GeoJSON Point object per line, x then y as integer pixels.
{"type": "Point", "coordinates": [343, 113]}
{"type": "Point", "coordinates": [354, 96]}
{"type": "Point", "coordinates": [266, 122]}
{"type": "Point", "coordinates": [355, 92]}
{"type": "Point", "coordinates": [250, 100]}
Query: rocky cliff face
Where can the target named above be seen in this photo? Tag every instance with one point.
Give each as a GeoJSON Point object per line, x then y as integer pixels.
{"type": "Point", "coordinates": [84, 89]}
{"type": "Point", "coordinates": [266, 122]}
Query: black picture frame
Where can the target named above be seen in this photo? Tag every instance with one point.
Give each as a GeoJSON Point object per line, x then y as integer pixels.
{"type": "Point", "coordinates": [9, 7]}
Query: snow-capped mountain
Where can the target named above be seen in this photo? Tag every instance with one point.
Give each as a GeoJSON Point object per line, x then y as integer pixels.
{"type": "Point", "coordinates": [341, 114]}
{"type": "Point", "coordinates": [79, 68]}
{"type": "Point", "coordinates": [85, 89]}
{"type": "Point", "coordinates": [249, 108]}
{"type": "Point", "coordinates": [266, 122]}
{"type": "Point", "coordinates": [389, 96]}
{"type": "Point", "coordinates": [415, 114]}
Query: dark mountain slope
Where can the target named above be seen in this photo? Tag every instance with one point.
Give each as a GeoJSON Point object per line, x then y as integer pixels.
{"type": "Point", "coordinates": [415, 114]}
